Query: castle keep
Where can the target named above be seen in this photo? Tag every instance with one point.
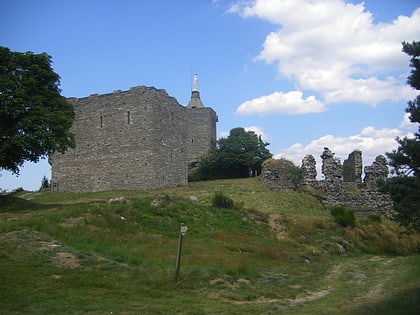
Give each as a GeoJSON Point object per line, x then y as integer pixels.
{"type": "Point", "coordinates": [136, 139]}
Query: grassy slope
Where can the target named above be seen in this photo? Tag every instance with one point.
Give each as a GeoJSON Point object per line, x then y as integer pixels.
{"type": "Point", "coordinates": [78, 254]}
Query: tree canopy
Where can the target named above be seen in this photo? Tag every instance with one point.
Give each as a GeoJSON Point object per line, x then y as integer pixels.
{"type": "Point", "coordinates": [405, 160]}
{"type": "Point", "coordinates": [237, 156]}
{"type": "Point", "coordinates": [35, 119]}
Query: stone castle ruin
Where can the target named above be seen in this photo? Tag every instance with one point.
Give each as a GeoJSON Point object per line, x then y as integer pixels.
{"type": "Point", "coordinates": [342, 184]}
{"type": "Point", "coordinates": [136, 139]}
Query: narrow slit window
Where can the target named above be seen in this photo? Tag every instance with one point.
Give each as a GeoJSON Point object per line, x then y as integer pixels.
{"type": "Point", "coordinates": [128, 117]}
{"type": "Point", "coordinates": [101, 121]}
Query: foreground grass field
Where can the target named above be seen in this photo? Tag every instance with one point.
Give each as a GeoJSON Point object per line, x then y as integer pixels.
{"type": "Point", "coordinates": [276, 253]}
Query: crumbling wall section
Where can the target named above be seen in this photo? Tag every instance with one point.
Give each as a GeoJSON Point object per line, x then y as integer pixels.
{"type": "Point", "coordinates": [279, 174]}
{"type": "Point", "coordinates": [338, 187]}
{"type": "Point", "coordinates": [309, 172]}
{"type": "Point", "coordinates": [352, 168]}
{"type": "Point", "coordinates": [377, 171]}
{"type": "Point", "coordinates": [349, 190]}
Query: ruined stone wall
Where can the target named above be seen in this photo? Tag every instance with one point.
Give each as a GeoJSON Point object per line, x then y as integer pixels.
{"type": "Point", "coordinates": [136, 139]}
{"type": "Point", "coordinates": [342, 184]}
{"type": "Point", "coordinates": [377, 171]}
{"type": "Point", "coordinates": [352, 167]}
{"type": "Point", "coordinates": [309, 172]}
{"type": "Point", "coordinates": [277, 174]}
{"type": "Point", "coordinates": [364, 196]}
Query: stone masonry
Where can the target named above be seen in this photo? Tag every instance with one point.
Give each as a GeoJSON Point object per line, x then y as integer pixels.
{"type": "Point", "coordinates": [377, 171]}
{"type": "Point", "coordinates": [352, 167]}
{"type": "Point", "coordinates": [342, 184]}
{"type": "Point", "coordinates": [309, 172]}
{"type": "Point", "coordinates": [277, 174]}
{"type": "Point", "coordinates": [136, 139]}
{"type": "Point", "coordinates": [350, 191]}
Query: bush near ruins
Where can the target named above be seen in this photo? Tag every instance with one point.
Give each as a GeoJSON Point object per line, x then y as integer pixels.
{"type": "Point", "coordinates": [222, 201]}
{"type": "Point", "coordinates": [343, 216]}
{"type": "Point", "coordinates": [45, 183]}
{"type": "Point", "coordinates": [239, 155]}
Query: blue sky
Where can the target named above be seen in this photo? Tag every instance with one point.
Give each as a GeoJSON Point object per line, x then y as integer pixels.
{"type": "Point", "coordinates": [303, 74]}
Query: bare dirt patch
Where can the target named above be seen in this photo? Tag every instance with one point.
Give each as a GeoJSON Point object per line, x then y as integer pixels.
{"type": "Point", "coordinates": [274, 220]}
{"type": "Point", "coordinates": [49, 245]}
{"type": "Point", "coordinates": [231, 285]}
{"type": "Point", "coordinates": [65, 259]}
{"type": "Point", "coordinates": [72, 222]}
{"type": "Point", "coordinates": [309, 296]}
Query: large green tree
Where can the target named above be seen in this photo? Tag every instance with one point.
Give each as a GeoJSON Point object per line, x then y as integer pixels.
{"type": "Point", "coordinates": [236, 156]}
{"type": "Point", "coordinates": [35, 119]}
{"type": "Point", "coordinates": [404, 188]}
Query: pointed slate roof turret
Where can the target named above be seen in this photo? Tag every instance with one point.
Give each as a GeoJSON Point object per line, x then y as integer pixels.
{"type": "Point", "coordinates": [195, 101]}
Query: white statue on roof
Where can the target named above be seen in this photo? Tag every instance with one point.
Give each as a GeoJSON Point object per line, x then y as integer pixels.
{"type": "Point", "coordinates": [195, 83]}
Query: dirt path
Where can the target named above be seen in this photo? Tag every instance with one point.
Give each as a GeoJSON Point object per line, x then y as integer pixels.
{"type": "Point", "coordinates": [280, 229]}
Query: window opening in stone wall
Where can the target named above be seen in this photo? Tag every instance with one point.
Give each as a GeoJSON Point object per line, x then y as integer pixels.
{"type": "Point", "coordinates": [192, 140]}
{"type": "Point", "coordinates": [128, 117]}
{"type": "Point", "coordinates": [101, 121]}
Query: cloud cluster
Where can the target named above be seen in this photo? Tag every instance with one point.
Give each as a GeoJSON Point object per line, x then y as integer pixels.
{"type": "Point", "coordinates": [258, 131]}
{"type": "Point", "coordinates": [334, 49]}
{"type": "Point", "coordinates": [407, 124]}
{"type": "Point", "coordinates": [372, 142]}
{"type": "Point", "coordinates": [281, 103]}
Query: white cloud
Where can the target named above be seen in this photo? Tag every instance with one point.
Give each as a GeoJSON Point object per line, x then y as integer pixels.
{"type": "Point", "coordinates": [258, 131]}
{"type": "Point", "coordinates": [372, 142]}
{"type": "Point", "coordinates": [335, 48]}
{"type": "Point", "coordinates": [281, 103]}
{"type": "Point", "coordinates": [372, 133]}
{"type": "Point", "coordinates": [223, 134]}
{"type": "Point", "coordinates": [407, 124]}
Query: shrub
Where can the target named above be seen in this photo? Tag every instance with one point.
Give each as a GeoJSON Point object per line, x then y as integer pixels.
{"type": "Point", "coordinates": [222, 201]}
{"type": "Point", "coordinates": [343, 216]}
{"type": "Point", "coordinates": [375, 218]}
{"type": "Point", "coordinates": [45, 183]}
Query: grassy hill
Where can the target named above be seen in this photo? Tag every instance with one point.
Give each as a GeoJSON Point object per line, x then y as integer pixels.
{"type": "Point", "coordinates": [276, 252]}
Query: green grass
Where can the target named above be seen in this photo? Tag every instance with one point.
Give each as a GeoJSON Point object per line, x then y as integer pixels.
{"type": "Point", "coordinates": [63, 253]}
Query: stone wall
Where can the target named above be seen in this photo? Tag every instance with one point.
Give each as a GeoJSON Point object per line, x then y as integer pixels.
{"type": "Point", "coordinates": [352, 167]}
{"type": "Point", "coordinates": [278, 174]}
{"type": "Point", "coordinates": [377, 171]}
{"type": "Point", "coordinates": [363, 197]}
{"type": "Point", "coordinates": [342, 184]}
{"type": "Point", "coordinates": [136, 139]}
{"type": "Point", "coordinates": [309, 172]}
